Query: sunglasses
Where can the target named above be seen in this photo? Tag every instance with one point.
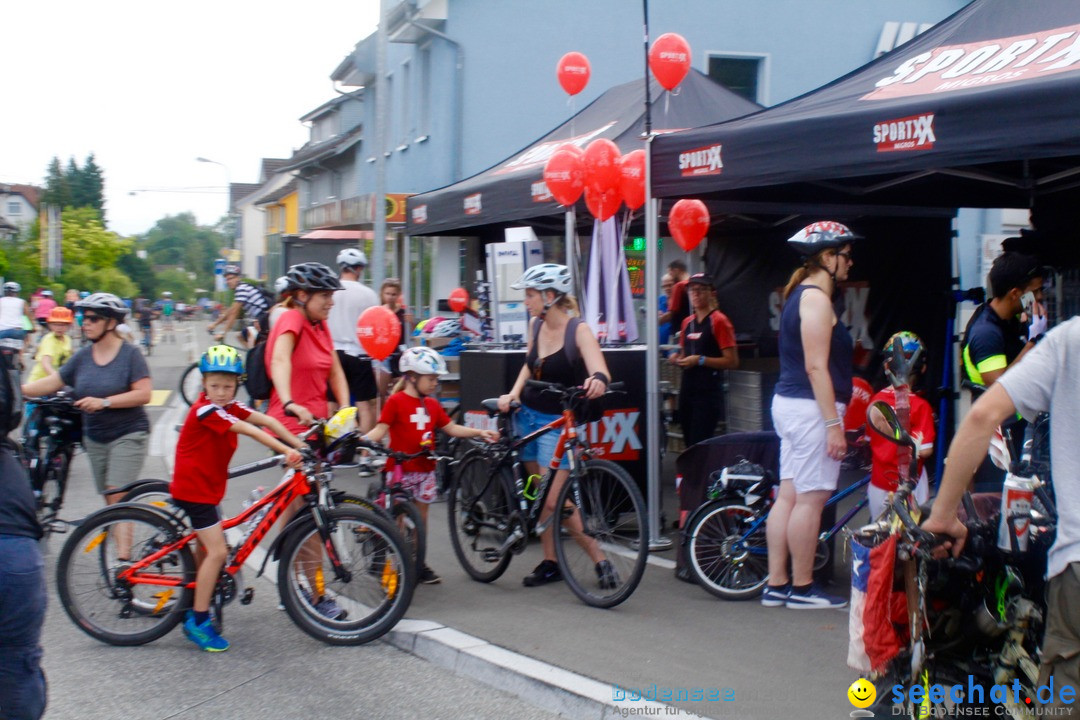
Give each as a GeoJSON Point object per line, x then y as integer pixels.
{"type": "Point", "coordinates": [92, 318]}
{"type": "Point", "coordinates": [845, 255]}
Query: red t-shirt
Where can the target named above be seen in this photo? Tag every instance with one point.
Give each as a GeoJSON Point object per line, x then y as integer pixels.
{"type": "Point", "coordinates": [312, 358]}
{"type": "Point", "coordinates": [679, 304]}
{"type": "Point", "coordinates": [204, 450]}
{"type": "Point", "coordinates": [412, 420]}
{"type": "Point", "coordinates": [709, 338]}
{"type": "Point", "coordinates": [884, 473]}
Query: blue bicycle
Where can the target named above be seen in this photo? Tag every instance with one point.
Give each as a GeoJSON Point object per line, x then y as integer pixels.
{"type": "Point", "coordinates": [725, 538]}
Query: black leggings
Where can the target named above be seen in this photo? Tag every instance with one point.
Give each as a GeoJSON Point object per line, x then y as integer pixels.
{"type": "Point", "coordinates": [701, 404]}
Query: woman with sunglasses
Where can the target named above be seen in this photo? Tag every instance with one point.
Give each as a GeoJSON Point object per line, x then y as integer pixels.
{"type": "Point", "coordinates": [808, 413]}
{"type": "Point", "coordinates": [112, 384]}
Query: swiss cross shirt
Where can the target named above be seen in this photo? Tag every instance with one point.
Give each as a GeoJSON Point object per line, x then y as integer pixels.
{"type": "Point", "coordinates": [204, 450]}
{"type": "Point", "coordinates": [412, 420]}
{"type": "Point", "coordinates": [884, 473]}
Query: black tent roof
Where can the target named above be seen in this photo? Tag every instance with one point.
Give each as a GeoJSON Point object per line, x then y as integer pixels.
{"type": "Point", "coordinates": [982, 110]}
{"type": "Point", "coordinates": [513, 191]}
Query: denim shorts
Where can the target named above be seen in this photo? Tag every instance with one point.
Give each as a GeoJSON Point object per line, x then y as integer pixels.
{"type": "Point", "coordinates": [541, 449]}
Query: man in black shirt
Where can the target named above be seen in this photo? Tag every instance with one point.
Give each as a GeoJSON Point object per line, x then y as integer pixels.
{"type": "Point", "coordinates": [22, 594]}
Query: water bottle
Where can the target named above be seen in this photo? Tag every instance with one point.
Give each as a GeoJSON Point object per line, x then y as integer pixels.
{"type": "Point", "coordinates": [253, 498]}
{"type": "Point", "coordinates": [1016, 496]}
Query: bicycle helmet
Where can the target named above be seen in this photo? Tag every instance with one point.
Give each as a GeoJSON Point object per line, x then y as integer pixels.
{"type": "Point", "coordinates": [422, 361]}
{"type": "Point", "coordinates": [46, 293]}
{"type": "Point", "coordinates": [60, 315]}
{"type": "Point", "coordinates": [105, 304]}
{"type": "Point", "coordinates": [83, 294]}
{"type": "Point", "coordinates": [221, 359]}
{"type": "Point", "coordinates": [231, 269]}
{"type": "Point", "coordinates": [445, 329]}
{"type": "Point", "coordinates": [910, 344]}
{"type": "Point", "coordinates": [281, 284]}
{"type": "Point", "coordinates": [351, 257]}
{"type": "Point", "coordinates": [12, 288]}
{"type": "Point", "coordinates": [547, 276]}
{"type": "Point", "coordinates": [822, 235]}
{"type": "Point", "coordinates": [166, 294]}
{"type": "Point", "coordinates": [312, 276]}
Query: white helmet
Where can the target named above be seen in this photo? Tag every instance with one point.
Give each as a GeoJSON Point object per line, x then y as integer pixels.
{"type": "Point", "coordinates": [281, 284]}
{"type": "Point", "coordinates": [12, 288]}
{"type": "Point", "coordinates": [422, 361]}
{"type": "Point", "coordinates": [46, 293]}
{"type": "Point", "coordinates": [105, 304]}
{"type": "Point", "coordinates": [351, 257]}
{"type": "Point", "coordinates": [547, 276]}
{"type": "Point", "coordinates": [446, 328]}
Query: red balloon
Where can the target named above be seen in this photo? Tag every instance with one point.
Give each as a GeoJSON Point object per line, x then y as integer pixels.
{"type": "Point", "coordinates": [573, 72]}
{"type": "Point", "coordinates": [688, 222]}
{"type": "Point", "coordinates": [378, 331]}
{"type": "Point", "coordinates": [458, 300]}
{"type": "Point", "coordinates": [632, 179]}
{"type": "Point", "coordinates": [602, 158]}
{"type": "Point", "coordinates": [669, 59]}
{"type": "Point", "coordinates": [564, 174]}
{"type": "Point", "coordinates": [602, 205]}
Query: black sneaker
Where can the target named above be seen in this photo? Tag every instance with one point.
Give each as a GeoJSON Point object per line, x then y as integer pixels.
{"type": "Point", "coordinates": [428, 577]}
{"type": "Point", "coordinates": [682, 572]}
{"type": "Point", "coordinates": [606, 575]}
{"type": "Point", "coordinates": [546, 572]}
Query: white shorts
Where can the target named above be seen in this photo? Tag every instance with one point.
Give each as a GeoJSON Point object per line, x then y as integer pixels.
{"type": "Point", "coordinates": [803, 456]}
{"type": "Point", "coordinates": [878, 496]}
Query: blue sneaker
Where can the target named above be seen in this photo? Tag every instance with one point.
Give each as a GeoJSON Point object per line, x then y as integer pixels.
{"type": "Point", "coordinates": [775, 596]}
{"type": "Point", "coordinates": [815, 599]}
{"type": "Point", "coordinates": [205, 636]}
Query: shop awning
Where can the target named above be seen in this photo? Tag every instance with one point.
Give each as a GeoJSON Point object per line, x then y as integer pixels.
{"type": "Point", "coordinates": [338, 235]}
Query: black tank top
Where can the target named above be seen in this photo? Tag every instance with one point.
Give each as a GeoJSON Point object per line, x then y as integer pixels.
{"type": "Point", "coordinates": [564, 366]}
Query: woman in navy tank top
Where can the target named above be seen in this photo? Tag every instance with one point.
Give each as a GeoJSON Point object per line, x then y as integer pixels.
{"type": "Point", "coordinates": [807, 411]}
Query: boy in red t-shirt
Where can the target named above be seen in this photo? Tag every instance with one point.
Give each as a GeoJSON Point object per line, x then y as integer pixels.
{"type": "Point", "coordinates": [205, 447]}
{"type": "Point", "coordinates": [884, 473]}
{"type": "Point", "coordinates": [411, 416]}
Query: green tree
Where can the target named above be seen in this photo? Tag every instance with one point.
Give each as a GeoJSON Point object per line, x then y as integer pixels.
{"type": "Point", "coordinates": [88, 187]}
{"type": "Point", "coordinates": [57, 185]}
{"type": "Point", "coordinates": [87, 242]}
{"type": "Point", "coordinates": [179, 283]}
{"type": "Point", "coordinates": [178, 241]}
{"type": "Point", "coordinates": [140, 272]}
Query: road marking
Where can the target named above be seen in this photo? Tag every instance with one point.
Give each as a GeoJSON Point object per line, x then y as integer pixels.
{"type": "Point", "coordinates": [159, 397]}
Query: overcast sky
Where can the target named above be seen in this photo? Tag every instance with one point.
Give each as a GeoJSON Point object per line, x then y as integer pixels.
{"type": "Point", "coordinates": [150, 86]}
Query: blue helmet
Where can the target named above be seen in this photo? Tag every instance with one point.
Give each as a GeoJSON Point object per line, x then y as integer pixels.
{"type": "Point", "coordinates": [222, 359]}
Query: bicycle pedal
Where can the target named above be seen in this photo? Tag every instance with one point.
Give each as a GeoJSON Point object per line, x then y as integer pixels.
{"type": "Point", "coordinates": [58, 527]}
{"type": "Point", "coordinates": [490, 555]}
{"type": "Point", "coordinates": [247, 596]}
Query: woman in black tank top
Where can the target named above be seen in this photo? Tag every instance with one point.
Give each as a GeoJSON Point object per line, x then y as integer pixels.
{"type": "Point", "coordinates": [561, 349]}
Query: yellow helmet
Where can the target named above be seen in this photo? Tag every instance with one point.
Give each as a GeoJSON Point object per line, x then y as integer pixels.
{"type": "Point", "coordinates": [342, 423]}
{"type": "Point", "coordinates": [222, 359]}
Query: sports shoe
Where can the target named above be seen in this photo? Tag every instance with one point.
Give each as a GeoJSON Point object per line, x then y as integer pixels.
{"type": "Point", "coordinates": [815, 599]}
{"type": "Point", "coordinates": [605, 573]}
{"type": "Point", "coordinates": [326, 606]}
{"type": "Point", "coordinates": [683, 573]}
{"type": "Point", "coordinates": [776, 596]}
{"type": "Point", "coordinates": [205, 636]}
{"type": "Point", "coordinates": [428, 577]}
{"type": "Point", "coordinates": [546, 572]}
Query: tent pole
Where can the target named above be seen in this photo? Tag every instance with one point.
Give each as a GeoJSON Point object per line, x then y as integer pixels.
{"type": "Point", "coordinates": [571, 246]}
{"type": "Point", "coordinates": [652, 360]}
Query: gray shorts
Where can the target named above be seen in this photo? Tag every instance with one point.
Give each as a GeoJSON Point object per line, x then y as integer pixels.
{"type": "Point", "coordinates": [119, 462]}
{"type": "Point", "coordinates": [1061, 644]}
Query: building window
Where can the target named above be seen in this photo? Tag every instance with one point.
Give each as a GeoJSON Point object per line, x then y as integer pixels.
{"type": "Point", "coordinates": [741, 75]}
{"type": "Point", "coordinates": [407, 131]}
{"type": "Point", "coordinates": [423, 124]}
{"type": "Point", "coordinates": [389, 133]}
{"type": "Point", "coordinates": [14, 208]}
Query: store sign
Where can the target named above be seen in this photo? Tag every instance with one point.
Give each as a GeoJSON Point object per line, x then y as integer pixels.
{"type": "Point", "coordinates": [419, 215]}
{"type": "Point", "coordinates": [987, 62]}
{"type": "Point", "coordinates": [910, 133]}
{"type": "Point", "coordinates": [701, 161]}
{"type": "Point", "coordinates": [540, 192]}
{"type": "Point", "coordinates": [472, 204]}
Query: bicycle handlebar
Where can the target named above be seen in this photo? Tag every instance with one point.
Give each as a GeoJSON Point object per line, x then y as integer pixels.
{"type": "Point", "coordinates": [563, 390]}
{"type": "Point", "coordinates": [395, 454]}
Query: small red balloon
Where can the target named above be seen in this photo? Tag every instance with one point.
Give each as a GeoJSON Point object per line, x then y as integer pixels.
{"type": "Point", "coordinates": [601, 160]}
{"type": "Point", "coordinates": [564, 174]}
{"type": "Point", "coordinates": [458, 300]}
{"type": "Point", "coordinates": [573, 72]}
{"type": "Point", "coordinates": [632, 179]}
{"type": "Point", "coordinates": [378, 331]}
{"type": "Point", "coordinates": [688, 222]}
{"type": "Point", "coordinates": [602, 205]}
{"type": "Point", "coordinates": [669, 59]}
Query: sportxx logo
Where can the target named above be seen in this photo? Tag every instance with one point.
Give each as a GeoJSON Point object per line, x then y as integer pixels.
{"type": "Point", "coordinates": [614, 436]}
{"type": "Point", "coordinates": [987, 62]}
{"type": "Point", "coordinates": [674, 56]}
{"type": "Point", "coordinates": [419, 214]}
{"type": "Point", "coordinates": [701, 161]}
{"type": "Point", "coordinates": [472, 204]}
{"type": "Point", "coordinates": [540, 192]}
{"type": "Point", "coordinates": [911, 133]}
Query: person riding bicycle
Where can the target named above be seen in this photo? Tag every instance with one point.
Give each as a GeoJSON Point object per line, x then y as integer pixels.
{"type": "Point", "coordinates": [411, 415]}
{"type": "Point", "coordinates": [247, 299]}
{"type": "Point", "coordinates": [561, 349]}
{"type": "Point", "coordinates": [884, 476]}
{"type": "Point", "coordinates": [204, 448]}
{"type": "Point", "coordinates": [165, 309]}
{"type": "Point", "coordinates": [55, 348]}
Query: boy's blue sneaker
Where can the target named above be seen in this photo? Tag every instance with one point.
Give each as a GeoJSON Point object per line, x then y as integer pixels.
{"type": "Point", "coordinates": [815, 599]}
{"type": "Point", "coordinates": [205, 636]}
{"type": "Point", "coordinates": [775, 596]}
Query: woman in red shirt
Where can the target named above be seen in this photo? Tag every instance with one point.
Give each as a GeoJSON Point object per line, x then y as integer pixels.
{"type": "Point", "coordinates": [302, 358]}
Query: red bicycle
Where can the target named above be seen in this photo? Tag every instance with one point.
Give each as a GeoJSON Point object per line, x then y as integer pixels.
{"type": "Point", "coordinates": [127, 573]}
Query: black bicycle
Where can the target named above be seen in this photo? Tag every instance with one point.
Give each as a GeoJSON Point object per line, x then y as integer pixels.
{"type": "Point", "coordinates": [494, 507]}
{"type": "Point", "coordinates": [51, 434]}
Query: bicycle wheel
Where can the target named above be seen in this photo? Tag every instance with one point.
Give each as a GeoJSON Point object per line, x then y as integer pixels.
{"type": "Point", "coordinates": [410, 524]}
{"type": "Point", "coordinates": [112, 610]}
{"type": "Point", "coordinates": [602, 555]}
{"type": "Point", "coordinates": [191, 383]}
{"type": "Point", "coordinates": [361, 502]}
{"type": "Point", "coordinates": [52, 485]}
{"type": "Point", "coordinates": [378, 583]}
{"type": "Point", "coordinates": [150, 492]}
{"type": "Point", "coordinates": [724, 560]}
{"type": "Point", "coordinates": [480, 508]}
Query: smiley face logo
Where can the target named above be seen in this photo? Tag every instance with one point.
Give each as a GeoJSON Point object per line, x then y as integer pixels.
{"type": "Point", "coordinates": [862, 693]}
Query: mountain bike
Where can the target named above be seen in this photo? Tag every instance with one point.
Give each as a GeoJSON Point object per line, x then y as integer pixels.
{"type": "Point", "coordinates": [494, 507]}
{"type": "Point", "coordinates": [127, 573]}
{"type": "Point", "coordinates": [51, 434]}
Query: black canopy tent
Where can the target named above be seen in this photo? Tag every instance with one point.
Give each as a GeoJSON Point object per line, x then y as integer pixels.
{"type": "Point", "coordinates": [513, 192]}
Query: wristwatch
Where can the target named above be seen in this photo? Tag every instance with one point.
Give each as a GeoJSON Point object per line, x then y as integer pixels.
{"type": "Point", "coordinates": [106, 403]}
{"type": "Point", "coordinates": [701, 360]}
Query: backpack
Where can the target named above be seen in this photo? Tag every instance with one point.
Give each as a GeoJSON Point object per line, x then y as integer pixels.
{"type": "Point", "coordinates": [11, 400]}
{"type": "Point", "coordinates": [257, 381]}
